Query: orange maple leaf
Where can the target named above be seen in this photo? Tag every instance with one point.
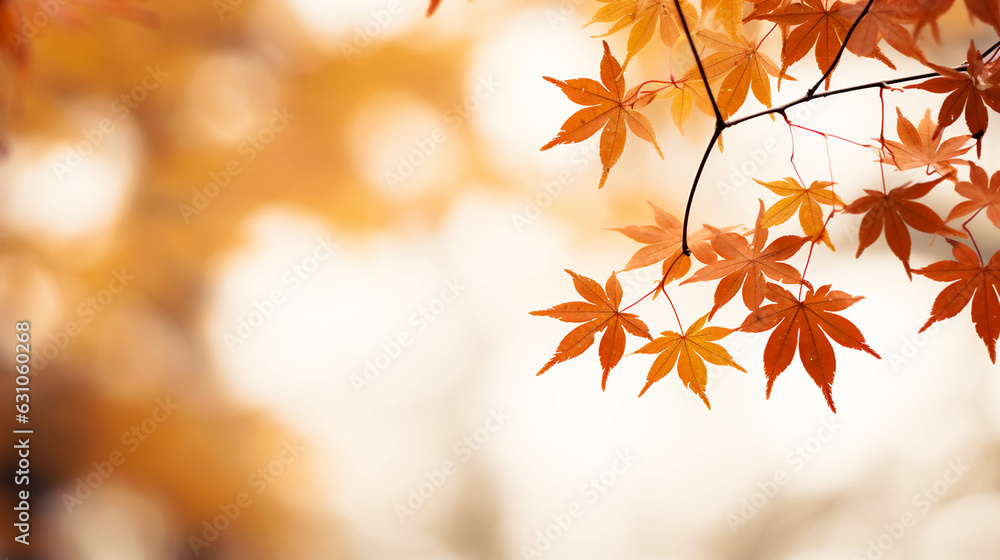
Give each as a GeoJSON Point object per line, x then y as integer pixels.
{"type": "Point", "coordinates": [883, 21]}
{"type": "Point", "coordinates": [895, 211]}
{"type": "Point", "coordinates": [974, 282]}
{"type": "Point", "coordinates": [804, 200]}
{"type": "Point", "coordinates": [806, 324]}
{"type": "Point", "coordinates": [746, 265]}
{"type": "Point", "coordinates": [982, 192]}
{"type": "Point", "coordinates": [922, 147]}
{"type": "Point", "coordinates": [664, 244]}
{"type": "Point", "coordinates": [968, 92]}
{"type": "Point", "coordinates": [816, 25]}
{"type": "Point", "coordinates": [689, 352]}
{"type": "Point", "coordinates": [599, 313]}
{"type": "Point", "coordinates": [610, 107]}
{"type": "Point", "coordinates": [744, 67]}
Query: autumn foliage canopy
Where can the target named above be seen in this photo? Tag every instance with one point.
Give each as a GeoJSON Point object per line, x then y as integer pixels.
{"type": "Point", "coordinates": [725, 44]}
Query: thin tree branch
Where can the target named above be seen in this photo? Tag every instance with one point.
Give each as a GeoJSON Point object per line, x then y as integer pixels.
{"type": "Point", "coordinates": [722, 124]}
{"type": "Point", "coordinates": [719, 121]}
{"type": "Point", "coordinates": [991, 49]}
{"type": "Point", "coordinates": [965, 226]}
{"type": "Point", "coordinates": [870, 85]}
{"type": "Point", "coordinates": [694, 187]}
{"type": "Point", "coordinates": [806, 98]}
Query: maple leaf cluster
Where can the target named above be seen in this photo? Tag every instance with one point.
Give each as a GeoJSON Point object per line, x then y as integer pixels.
{"type": "Point", "coordinates": [732, 60]}
{"type": "Point", "coordinates": [753, 268]}
{"type": "Point", "coordinates": [732, 43]}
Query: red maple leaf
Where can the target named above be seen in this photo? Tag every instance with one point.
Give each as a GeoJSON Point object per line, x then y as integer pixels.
{"type": "Point", "coordinates": [743, 264]}
{"type": "Point", "coordinates": [972, 281]}
{"type": "Point", "coordinates": [817, 26]}
{"type": "Point", "coordinates": [806, 324]}
{"type": "Point", "coordinates": [894, 212]}
{"type": "Point", "coordinates": [609, 107]}
{"type": "Point", "coordinates": [981, 192]}
{"type": "Point", "coordinates": [923, 147]}
{"type": "Point", "coordinates": [968, 92]}
{"type": "Point", "coordinates": [599, 313]}
{"type": "Point", "coordinates": [664, 244]}
{"type": "Point", "coordinates": [884, 20]}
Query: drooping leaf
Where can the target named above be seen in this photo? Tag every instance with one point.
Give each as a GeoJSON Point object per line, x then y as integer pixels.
{"type": "Point", "coordinates": [689, 352]}
{"type": "Point", "coordinates": [971, 281]}
{"type": "Point", "coordinates": [599, 313]}
{"type": "Point", "coordinates": [804, 200]}
{"type": "Point", "coordinates": [921, 147]}
{"type": "Point", "coordinates": [968, 92]}
{"type": "Point", "coordinates": [609, 107]}
{"type": "Point", "coordinates": [981, 192]}
{"type": "Point", "coordinates": [894, 212]}
{"type": "Point", "coordinates": [746, 265]}
{"type": "Point", "coordinates": [808, 325]}
{"type": "Point", "coordinates": [664, 244]}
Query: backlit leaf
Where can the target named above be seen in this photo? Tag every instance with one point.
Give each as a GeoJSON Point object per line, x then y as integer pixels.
{"type": "Point", "coordinates": [688, 352]}
{"type": "Point", "coordinates": [599, 313]}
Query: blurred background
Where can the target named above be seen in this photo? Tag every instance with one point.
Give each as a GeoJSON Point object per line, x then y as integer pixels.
{"type": "Point", "coordinates": [278, 258]}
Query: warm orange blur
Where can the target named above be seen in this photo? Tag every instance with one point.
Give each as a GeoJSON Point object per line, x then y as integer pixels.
{"type": "Point", "coordinates": [278, 257]}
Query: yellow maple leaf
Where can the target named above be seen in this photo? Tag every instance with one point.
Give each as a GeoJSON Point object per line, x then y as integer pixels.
{"type": "Point", "coordinates": [689, 352]}
{"type": "Point", "coordinates": [804, 200]}
{"type": "Point", "coordinates": [643, 16]}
